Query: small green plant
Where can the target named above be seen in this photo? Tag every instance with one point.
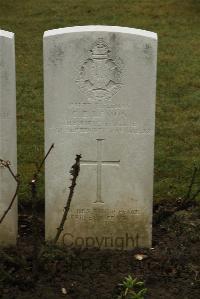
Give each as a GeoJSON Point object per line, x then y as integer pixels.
{"type": "Point", "coordinates": [132, 289]}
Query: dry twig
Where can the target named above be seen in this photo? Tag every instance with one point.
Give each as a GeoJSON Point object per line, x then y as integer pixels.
{"type": "Point", "coordinates": [33, 185]}
{"type": "Point", "coordinates": [6, 164]}
{"type": "Point", "coordinates": [74, 172]}
{"type": "Point", "coordinates": [187, 197]}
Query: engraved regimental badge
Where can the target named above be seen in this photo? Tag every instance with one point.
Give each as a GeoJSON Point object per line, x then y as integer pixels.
{"type": "Point", "coordinates": [100, 75]}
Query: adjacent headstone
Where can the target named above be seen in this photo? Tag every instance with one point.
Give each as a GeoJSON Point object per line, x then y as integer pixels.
{"type": "Point", "coordinates": [100, 87]}
{"type": "Point", "coordinates": [8, 145]}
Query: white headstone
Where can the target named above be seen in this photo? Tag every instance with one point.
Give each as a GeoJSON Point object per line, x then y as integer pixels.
{"type": "Point", "coordinates": [8, 144]}
{"type": "Point", "coordinates": [100, 87]}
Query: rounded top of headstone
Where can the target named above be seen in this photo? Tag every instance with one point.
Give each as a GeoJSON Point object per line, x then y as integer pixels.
{"type": "Point", "coordinates": [6, 34]}
{"type": "Point", "coordinates": [101, 28]}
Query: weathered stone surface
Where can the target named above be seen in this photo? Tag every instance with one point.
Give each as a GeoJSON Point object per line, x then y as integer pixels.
{"type": "Point", "coordinates": [100, 85]}
{"type": "Point", "coordinates": [8, 144]}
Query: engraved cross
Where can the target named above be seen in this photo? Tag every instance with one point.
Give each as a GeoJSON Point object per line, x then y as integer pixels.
{"type": "Point", "coordinates": [99, 163]}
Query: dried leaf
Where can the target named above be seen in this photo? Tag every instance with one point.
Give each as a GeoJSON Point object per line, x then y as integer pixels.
{"type": "Point", "coordinates": [64, 291]}
{"type": "Point", "coordinates": [140, 256]}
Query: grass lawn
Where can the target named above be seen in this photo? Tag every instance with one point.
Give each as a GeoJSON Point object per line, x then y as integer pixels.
{"type": "Point", "coordinates": [178, 123]}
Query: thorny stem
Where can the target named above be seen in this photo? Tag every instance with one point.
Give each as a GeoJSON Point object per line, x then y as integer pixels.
{"type": "Point", "coordinates": [74, 172]}
{"type": "Point", "coordinates": [16, 178]}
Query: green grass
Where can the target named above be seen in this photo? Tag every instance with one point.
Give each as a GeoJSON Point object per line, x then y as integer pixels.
{"type": "Point", "coordinates": [178, 124]}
